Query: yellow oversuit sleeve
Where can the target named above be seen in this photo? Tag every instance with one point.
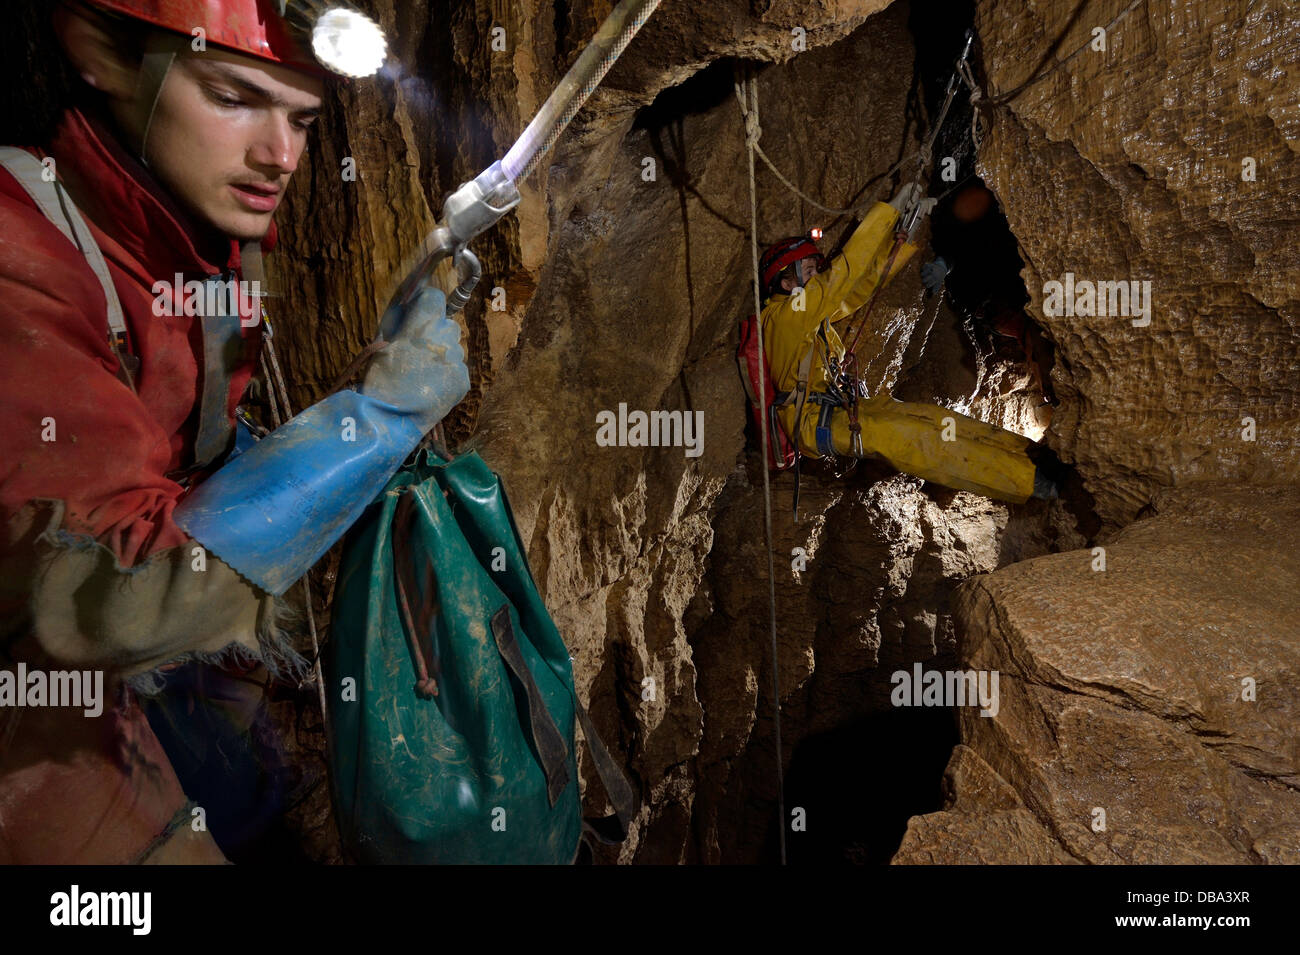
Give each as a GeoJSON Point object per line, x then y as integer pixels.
{"type": "Point", "coordinates": [863, 261]}
{"type": "Point", "coordinates": [836, 293]}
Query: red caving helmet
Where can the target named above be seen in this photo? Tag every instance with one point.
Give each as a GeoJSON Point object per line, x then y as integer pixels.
{"type": "Point", "coordinates": [255, 28]}
{"type": "Point", "coordinates": [252, 27]}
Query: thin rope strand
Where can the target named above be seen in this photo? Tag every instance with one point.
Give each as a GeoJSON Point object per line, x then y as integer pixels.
{"type": "Point", "coordinates": [1035, 80]}
{"type": "Point", "coordinates": [274, 382]}
{"type": "Point", "coordinates": [752, 147]}
{"type": "Point", "coordinates": [753, 132]}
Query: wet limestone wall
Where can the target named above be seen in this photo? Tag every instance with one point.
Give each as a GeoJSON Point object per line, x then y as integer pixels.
{"type": "Point", "coordinates": [1168, 158]}
{"type": "Point", "coordinates": [1149, 687]}
{"type": "Point", "coordinates": [624, 271]}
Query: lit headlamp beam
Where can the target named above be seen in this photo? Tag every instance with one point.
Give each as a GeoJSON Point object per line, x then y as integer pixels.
{"type": "Point", "coordinates": [342, 38]}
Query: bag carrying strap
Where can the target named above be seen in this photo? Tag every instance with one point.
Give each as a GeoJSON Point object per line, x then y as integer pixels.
{"type": "Point", "coordinates": [625, 800]}
{"type": "Point", "coordinates": [57, 206]}
{"type": "Point", "coordinates": [547, 741]}
{"type": "Point", "coordinates": [611, 830]}
{"type": "Point", "coordinates": [427, 668]}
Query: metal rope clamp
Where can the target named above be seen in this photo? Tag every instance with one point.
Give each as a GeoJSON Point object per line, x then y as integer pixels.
{"type": "Point", "coordinates": [468, 212]}
{"type": "Point", "coordinates": [478, 204]}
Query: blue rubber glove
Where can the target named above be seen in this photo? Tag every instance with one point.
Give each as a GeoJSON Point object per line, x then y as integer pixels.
{"type": "Point", "coordinates": [421, 371]}
{"type": "Point", "coordinates": [274, 510]}
{"type": "Point", "coordinates": [934, 274]}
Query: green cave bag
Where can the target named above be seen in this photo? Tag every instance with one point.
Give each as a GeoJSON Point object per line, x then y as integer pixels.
{"type": "Point", "coordinates": [434, 591]}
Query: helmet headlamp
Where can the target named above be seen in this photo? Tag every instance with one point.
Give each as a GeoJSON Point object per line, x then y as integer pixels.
{"type": "Point", "coordinates": [341, 37]}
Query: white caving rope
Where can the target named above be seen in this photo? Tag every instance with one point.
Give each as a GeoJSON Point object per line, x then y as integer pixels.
{"type": "Point", "coordinates": [752, 132]}
{"type": "Point", "coordinates": [747, 97]}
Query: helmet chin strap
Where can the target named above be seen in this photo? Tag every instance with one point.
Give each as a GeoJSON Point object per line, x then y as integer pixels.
{"type": "Point", "coordinates": [159, 54]}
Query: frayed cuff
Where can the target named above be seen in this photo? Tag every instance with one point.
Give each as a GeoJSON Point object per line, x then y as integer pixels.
{"type": "Point", "coordinates": [275, 651]}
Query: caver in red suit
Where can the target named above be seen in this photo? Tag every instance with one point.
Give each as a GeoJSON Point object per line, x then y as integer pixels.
{"type": "Point", "coordinates": [89, 478]}
{"type": "Point", "coordinates": [131, 533]}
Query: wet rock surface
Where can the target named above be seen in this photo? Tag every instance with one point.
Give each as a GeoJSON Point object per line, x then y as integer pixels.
{"type": "Point", "coordinates": [615, 288]}
{"type": "Point", "coordinates": [1127, 165]}
{"type": "Point", "coordinates": [984, 823]}
{"type": "Point", "coordinates": [1148, 709]}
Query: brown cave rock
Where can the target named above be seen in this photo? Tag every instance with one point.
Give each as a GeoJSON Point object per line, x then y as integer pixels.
{"type": "Point", "coordinates": [1117, 686]}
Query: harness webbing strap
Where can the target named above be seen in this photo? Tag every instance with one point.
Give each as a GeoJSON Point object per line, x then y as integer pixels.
{"type": "Point", "coordinates": [57, 206]}
{"type": "Point", "coordinates": [222, 343]}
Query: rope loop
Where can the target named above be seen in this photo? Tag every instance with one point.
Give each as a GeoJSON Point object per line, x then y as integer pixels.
{"type": "Point", "coordinates": [753, 131]}
{"type": "Point", "coordinates": [977, 102]}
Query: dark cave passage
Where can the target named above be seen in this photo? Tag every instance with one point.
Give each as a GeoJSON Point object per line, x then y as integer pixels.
{"type": "Point", "coordinates": [860, 783]}
{"type": "Point", "coordinates": [968, 228]}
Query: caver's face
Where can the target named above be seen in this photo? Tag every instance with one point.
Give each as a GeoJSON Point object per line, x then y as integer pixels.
{"type": "Point", "coordinates": [805, 269]}
{"type": "Point", "coordinates": [227, 133]}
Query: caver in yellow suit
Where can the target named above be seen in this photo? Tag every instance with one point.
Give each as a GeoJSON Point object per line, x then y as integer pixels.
{"type": "Point", "coordinates": [980, 457]}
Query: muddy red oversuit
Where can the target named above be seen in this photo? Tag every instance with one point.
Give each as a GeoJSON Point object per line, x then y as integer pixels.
{"type": "Point", "coordinates": [94, 573]}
